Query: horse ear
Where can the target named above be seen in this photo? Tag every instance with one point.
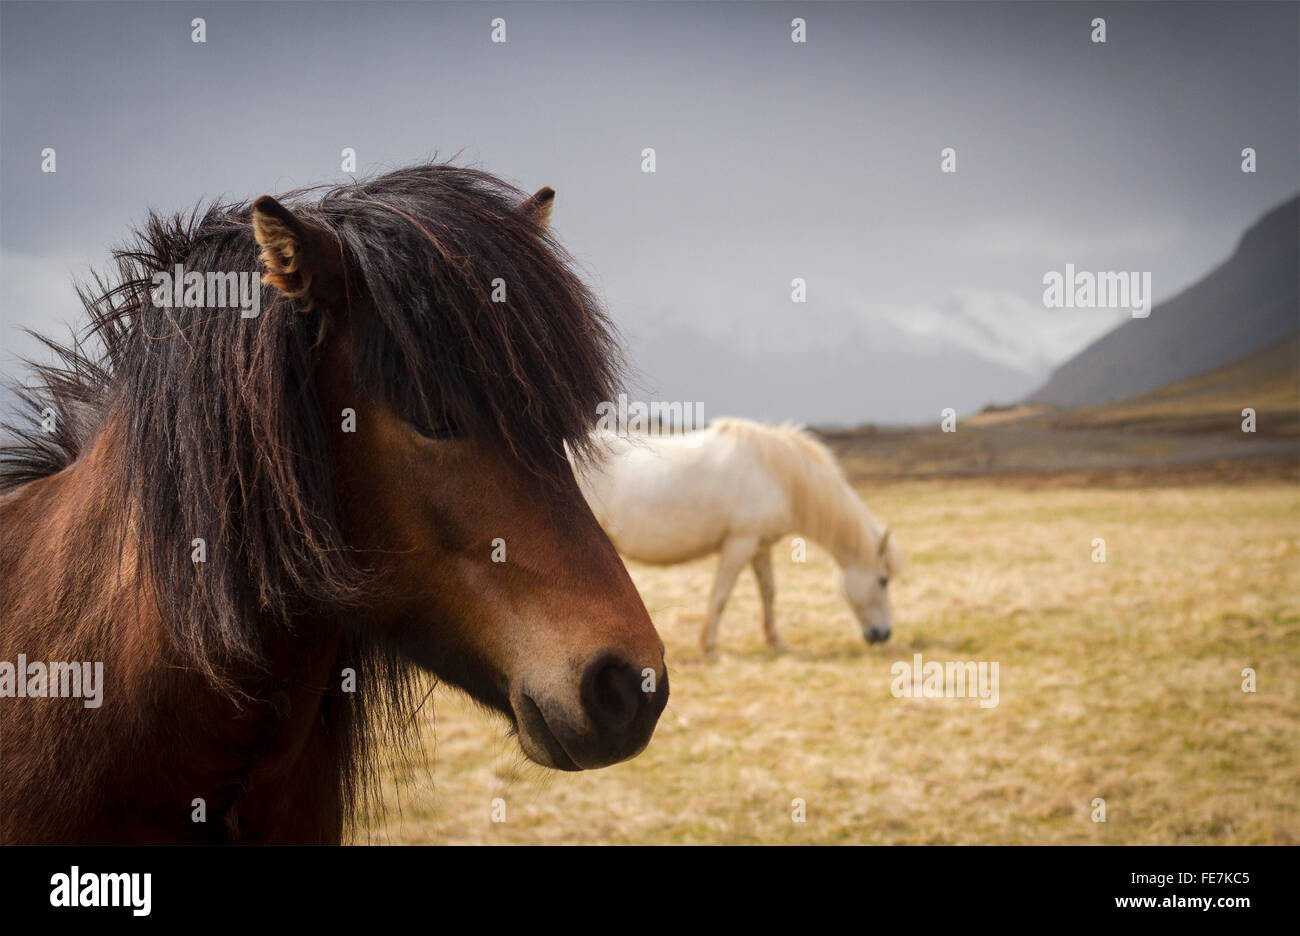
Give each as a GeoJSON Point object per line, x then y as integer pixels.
{"type": "Point", "coordinates": [537, 207]}
{"type": "Point", "coordinates": [299, 256]}
{"type": "Point", "coordinates": [884, 542]}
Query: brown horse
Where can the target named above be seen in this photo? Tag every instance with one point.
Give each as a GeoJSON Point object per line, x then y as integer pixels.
{"type": "Point", "coordinates": [263, 526]}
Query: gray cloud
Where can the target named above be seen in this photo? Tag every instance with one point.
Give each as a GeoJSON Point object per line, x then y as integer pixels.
{"type": "Point", "coordinates": [775, 160]}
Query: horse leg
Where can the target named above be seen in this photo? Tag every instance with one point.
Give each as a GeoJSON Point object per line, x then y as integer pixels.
{"type": "Point", "coordinates": [735, 554]}
{"type": "Point", "coordinates": [762, 564]}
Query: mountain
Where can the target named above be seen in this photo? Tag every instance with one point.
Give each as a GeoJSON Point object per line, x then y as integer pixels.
{"type": "Point", "coordinates": [1267, 381]}
{"type": "Point", "coordinates": [1248, 302]}
{"type": "Point", "coordinates": [1185, 432]}
{"type": "Point", "coordinates": [848, 383]}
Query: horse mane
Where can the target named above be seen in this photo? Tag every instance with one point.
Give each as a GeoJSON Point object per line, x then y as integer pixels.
{"type": "Point", "coordinates": [223, 436]}
{"type": "Point", "coordinates": [73, 388]}
{"type": "Point", "coordinates": [825, 506]}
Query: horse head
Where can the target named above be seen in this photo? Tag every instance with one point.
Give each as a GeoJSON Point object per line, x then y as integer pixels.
{"type": "Point", "coordinates": [448, 412]}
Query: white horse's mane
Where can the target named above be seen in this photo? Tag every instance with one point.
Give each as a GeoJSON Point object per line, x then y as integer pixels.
{"type": "Point", "coordinates": [826, 507]}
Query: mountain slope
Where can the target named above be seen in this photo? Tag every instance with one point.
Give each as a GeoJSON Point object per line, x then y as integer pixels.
{"type": "Point", "coordinates": [1267, 381]}
{"type": "Point", "coordinates": [1248, 302]}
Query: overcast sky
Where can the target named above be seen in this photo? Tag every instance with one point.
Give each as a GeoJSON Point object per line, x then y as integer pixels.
{"type": "Point", "coordinates": [775, 160]}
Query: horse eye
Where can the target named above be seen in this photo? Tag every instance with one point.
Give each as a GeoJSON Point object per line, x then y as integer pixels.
{"type": "Point", "coordinates": [884, 582]}
{"type": "Point", "coordinates": [444, 433]}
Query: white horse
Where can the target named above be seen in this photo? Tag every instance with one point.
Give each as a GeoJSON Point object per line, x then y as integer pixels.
{"type": "Point", "coordinates": [736, 488]}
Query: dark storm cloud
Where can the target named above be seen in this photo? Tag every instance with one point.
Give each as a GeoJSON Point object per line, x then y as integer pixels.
{"type": "Point", "coordinates": [775, 160]}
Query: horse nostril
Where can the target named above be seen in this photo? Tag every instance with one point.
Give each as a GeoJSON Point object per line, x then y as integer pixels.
{"type": "Point", "coordinates": [611, 693]}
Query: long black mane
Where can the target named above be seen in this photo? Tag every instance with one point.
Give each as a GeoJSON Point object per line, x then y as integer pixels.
{"type": "Point", "coordinates": [223, 436]}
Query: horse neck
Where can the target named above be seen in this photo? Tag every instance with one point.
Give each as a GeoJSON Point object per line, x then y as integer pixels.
{"type": "Point", "coordinates": [73, 592]}
{"type": "Point", "coordinates": [61, 556]}
{"type": "Point", "coordinates": [828, 512]}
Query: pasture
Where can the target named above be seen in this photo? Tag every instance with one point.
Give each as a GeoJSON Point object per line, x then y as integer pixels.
{"type": "Point", "coordinates": [1120, 680]}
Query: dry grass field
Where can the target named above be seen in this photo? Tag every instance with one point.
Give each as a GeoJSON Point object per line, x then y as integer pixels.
{"type": "Point", "coordinates": [1119, 680]}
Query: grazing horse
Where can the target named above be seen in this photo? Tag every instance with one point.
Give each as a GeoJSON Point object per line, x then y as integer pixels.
{"type": "Point", "coordinates": [736, 488]}
{"type": "Point", "coordinates": [264, 526]}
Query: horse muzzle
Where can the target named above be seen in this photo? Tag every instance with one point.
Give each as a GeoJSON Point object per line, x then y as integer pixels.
{"type": "Point", "coordinates": [607, 715]}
